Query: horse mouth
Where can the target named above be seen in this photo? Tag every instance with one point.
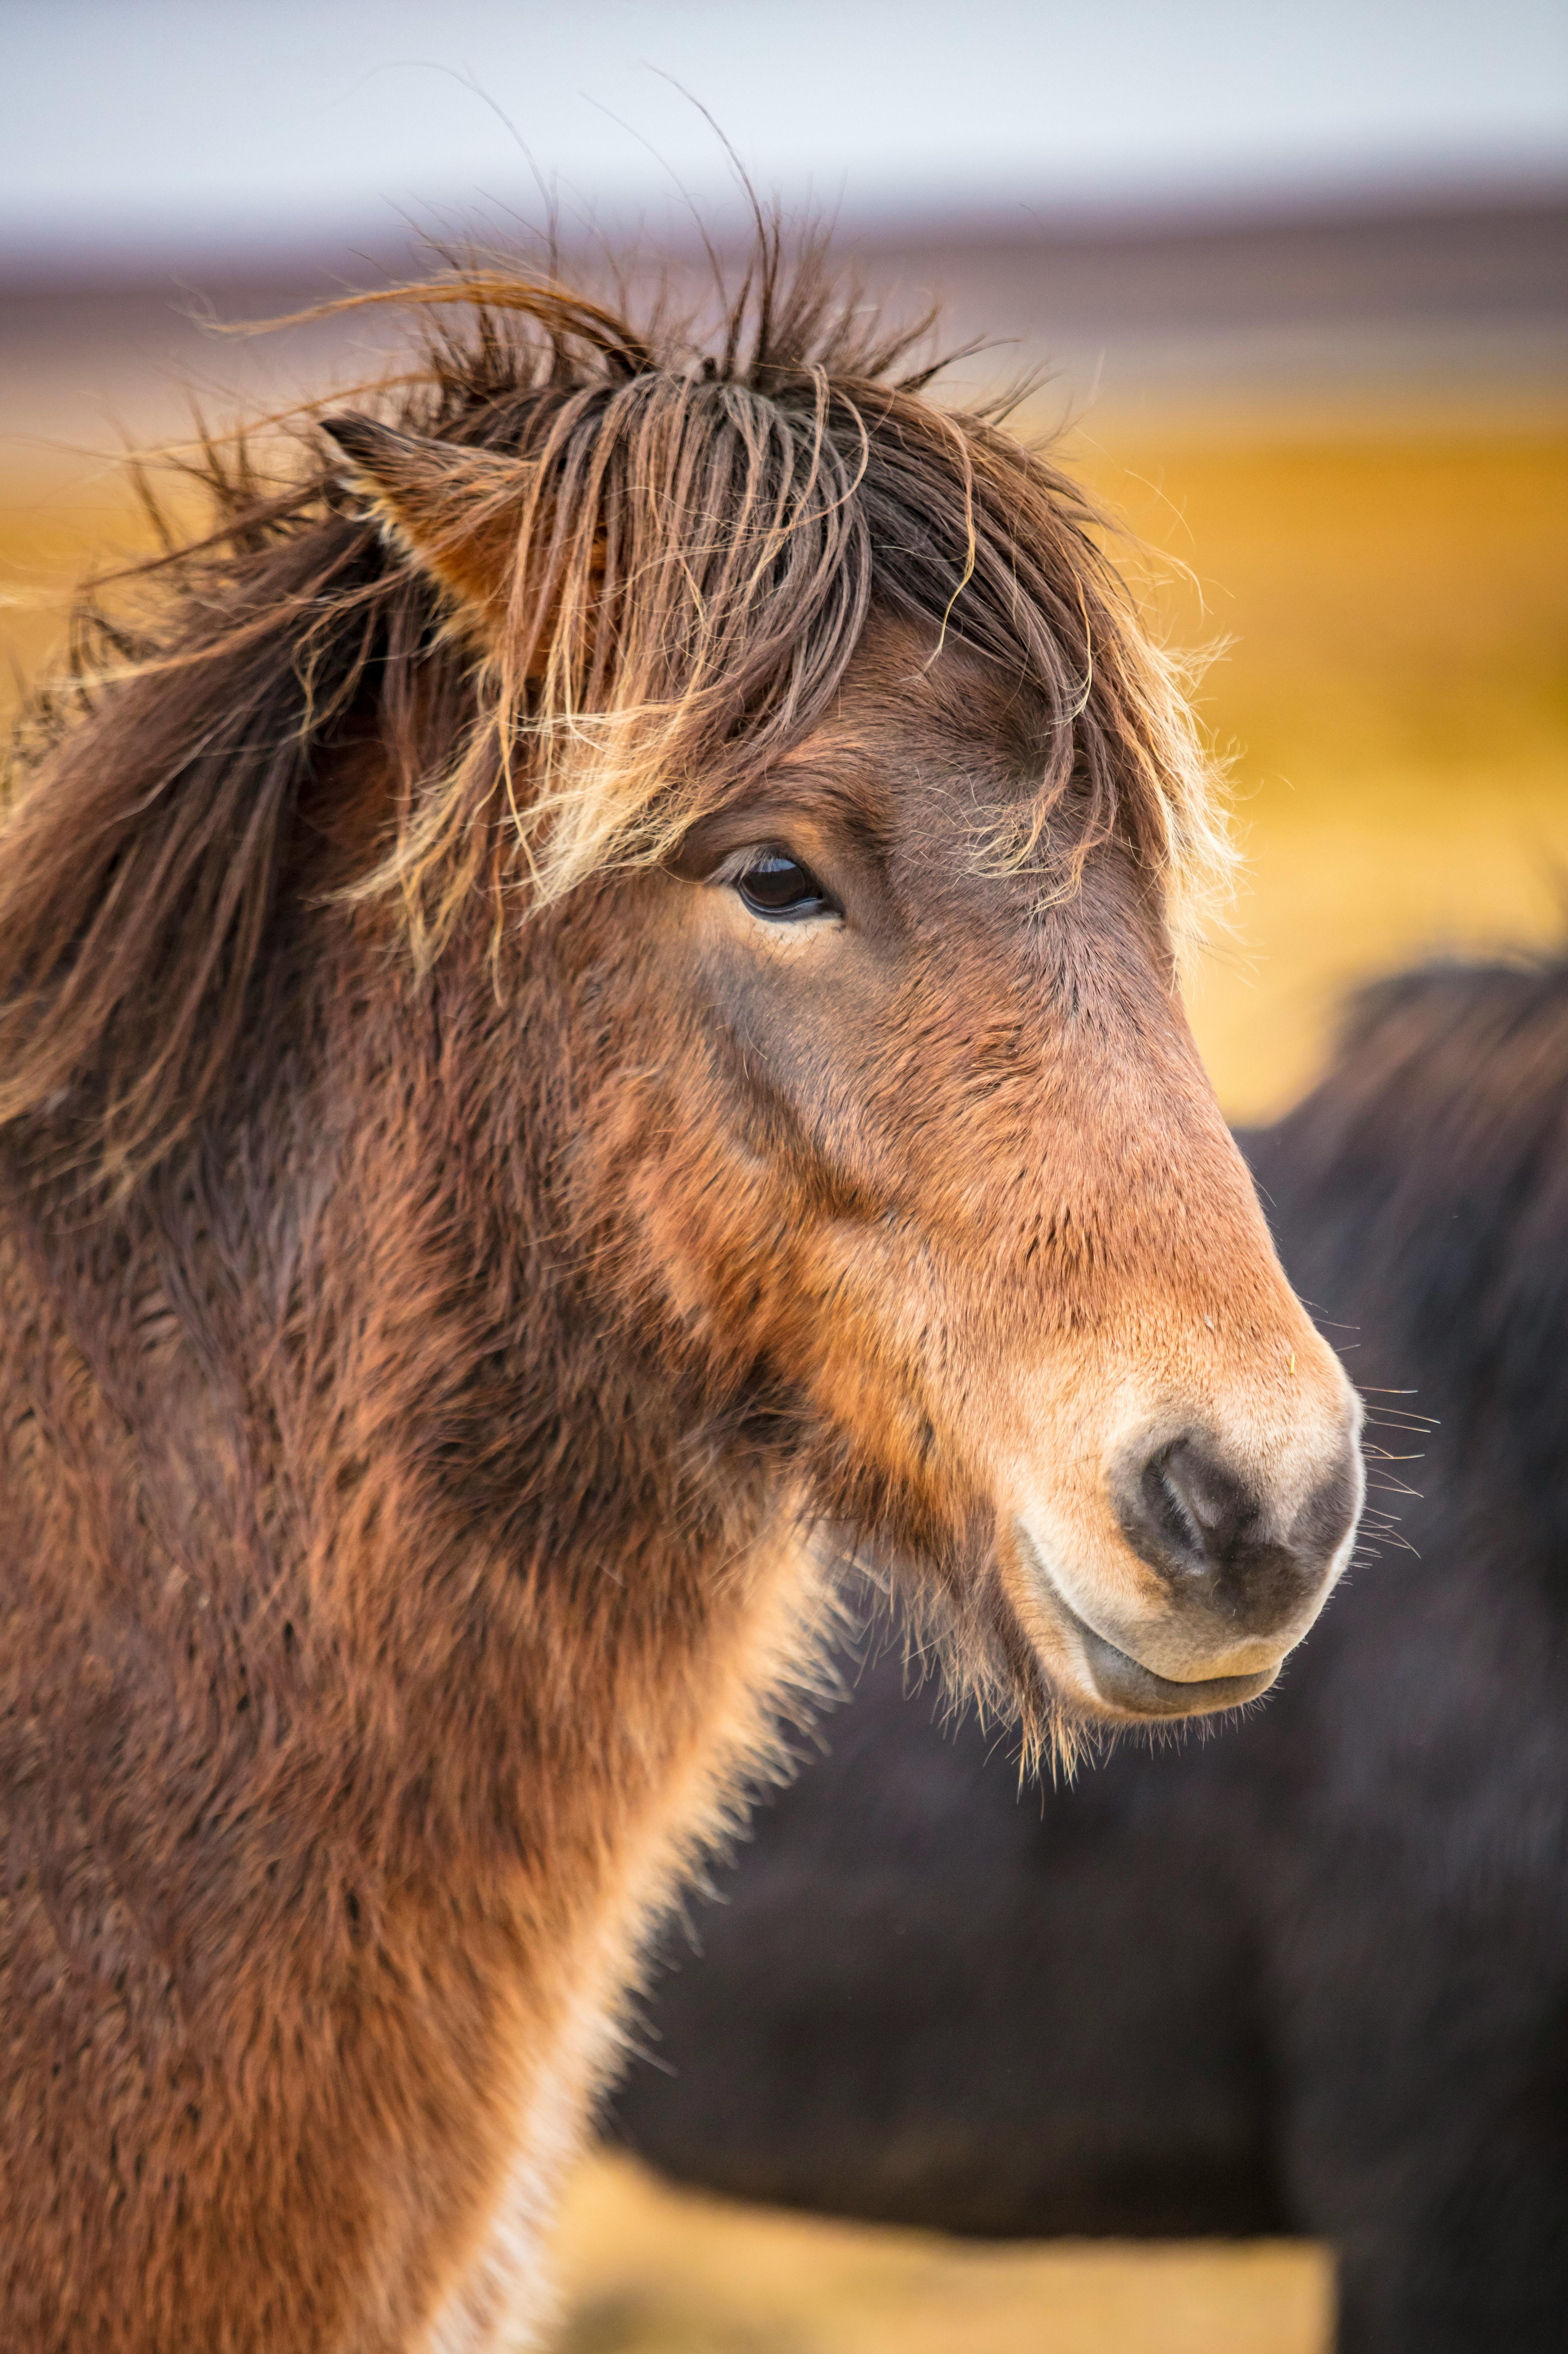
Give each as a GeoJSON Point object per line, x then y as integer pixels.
{"type": "Point", "coordinates": [1122, 1684]}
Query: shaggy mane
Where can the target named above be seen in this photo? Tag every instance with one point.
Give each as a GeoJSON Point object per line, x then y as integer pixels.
{"type": "Point", "coordinates": [697, 527]}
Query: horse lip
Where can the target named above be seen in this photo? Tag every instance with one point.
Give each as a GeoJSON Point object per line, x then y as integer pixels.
{"type": "Point", "coordinates": [1127, 1683]}
{"type": "Point", "coordinates": [1123, 1681]}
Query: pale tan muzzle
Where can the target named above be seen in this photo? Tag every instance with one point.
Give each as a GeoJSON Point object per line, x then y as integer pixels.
{"type": "Point", "coordinates": [1182, 1536]}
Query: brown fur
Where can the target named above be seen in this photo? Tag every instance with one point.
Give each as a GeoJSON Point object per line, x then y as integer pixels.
{"type": "Point", "coordinates": [453, 1257]}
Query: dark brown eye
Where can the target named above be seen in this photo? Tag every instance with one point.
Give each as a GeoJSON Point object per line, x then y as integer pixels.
{"type": "Point", "coordinates": [777, 885]}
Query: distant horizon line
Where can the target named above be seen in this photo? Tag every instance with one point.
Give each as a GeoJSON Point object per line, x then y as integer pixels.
{"type": "Point", "coordinates": [87, 256]}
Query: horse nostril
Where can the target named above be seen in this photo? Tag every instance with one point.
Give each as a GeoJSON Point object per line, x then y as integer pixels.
{"type": "Point", "coordinates": [1244, 1547]}
{"type": "Point", "coordinates": [1216, 1540]}
{"type": "Point", "coordinates": [1191, 1506]}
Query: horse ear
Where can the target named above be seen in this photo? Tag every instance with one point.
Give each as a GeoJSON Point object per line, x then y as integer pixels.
{"type": "Point", "coordinates": [455, 511]}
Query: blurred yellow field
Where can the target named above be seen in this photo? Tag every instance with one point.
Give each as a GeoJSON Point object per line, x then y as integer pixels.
{"type": "Point", "coordinates": [646, 2270]}
{"type": "Point", "coordinates": [1395, 696]}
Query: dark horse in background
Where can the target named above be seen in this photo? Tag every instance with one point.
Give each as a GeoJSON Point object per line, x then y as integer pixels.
{"type": "Point", "coordinates": [1309, 1976]}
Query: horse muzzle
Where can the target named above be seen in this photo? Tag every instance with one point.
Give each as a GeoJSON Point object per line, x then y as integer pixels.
{"type": "Point", "coordinates": [1202, 1582]}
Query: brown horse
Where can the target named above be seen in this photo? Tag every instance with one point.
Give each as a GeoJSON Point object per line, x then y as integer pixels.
{"type": "Point", "coordinates": [586, 1019]}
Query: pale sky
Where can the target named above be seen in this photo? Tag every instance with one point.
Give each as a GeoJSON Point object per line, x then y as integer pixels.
{"type": "Point", "coordinates": [155, 123]}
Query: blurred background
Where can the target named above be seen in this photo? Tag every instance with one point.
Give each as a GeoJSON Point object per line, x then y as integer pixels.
{"type": "Point", "coordinates": [1298, 283]}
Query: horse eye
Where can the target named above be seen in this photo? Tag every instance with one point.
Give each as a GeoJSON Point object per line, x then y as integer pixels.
{"type": "Point", "coordinates": [777, 885]}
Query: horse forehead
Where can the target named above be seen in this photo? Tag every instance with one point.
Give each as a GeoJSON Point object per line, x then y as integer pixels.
{"type": "Point", "coordinates": [924, 765]}
{"type": "Point", "coordinates": [913, 687]}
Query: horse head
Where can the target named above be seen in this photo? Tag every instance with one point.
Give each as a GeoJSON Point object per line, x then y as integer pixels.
{"type": "Point", "coordinates": [855, 803]}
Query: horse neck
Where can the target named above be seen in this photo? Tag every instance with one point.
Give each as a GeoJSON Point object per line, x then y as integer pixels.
{"type": "Point", "coordinates": [448, 1520]}
{"type": "Point", "coordinates": [413, 1642]}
